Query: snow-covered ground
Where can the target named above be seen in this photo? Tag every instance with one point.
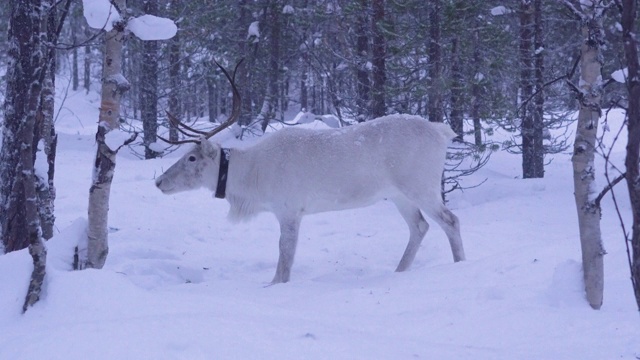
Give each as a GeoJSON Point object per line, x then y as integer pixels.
{"type": "Point", "coordinates": [181, 282]}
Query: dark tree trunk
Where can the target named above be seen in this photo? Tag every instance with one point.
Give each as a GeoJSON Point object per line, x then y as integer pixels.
{"type": "Point", "coordinates": [246, 48]}
{"type": "Point", "coordinates": [149, 88]}
{"type": "Point", "coordinates": [379, 72]}
{"type": "Point", "coordinates": [212, 98]}
{"type": "Point", "coordinates": [19, 218]}
{"type": "Point", "coordinates": [24, 86]}
{"type": "Point", "coordinates": [87, 63]}
{"type": "Point", "coordinates": [476, 91]}
{"type": "Point", "coordinates": [632, 161]}
{"type": "Point", "coordinates": [457, 110]}
{"type": "Point", "coordinates": [75, 25]}
{"type": "Point", "coordinates": [537, 151]}
{"type": "Point", "coordinates": [526, 89]}
{"type": "Point", "coordinates": [362, 60]}
{"type": "Point", "coordinates": [304, 95]}
{"type": "Point", "coordinates": [45, 129]}
{"type": "Point", "coordinates": [270, 106]}
{"type": "Point", "coordinates": [175, 107]}
{"type": "Point", "coordinates": [435, 64]}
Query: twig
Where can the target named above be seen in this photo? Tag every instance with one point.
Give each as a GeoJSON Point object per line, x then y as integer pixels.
{"type": "Point", "coordinates": [610, 185]}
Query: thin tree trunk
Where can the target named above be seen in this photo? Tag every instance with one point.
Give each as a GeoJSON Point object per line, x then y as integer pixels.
{"type": "Point", "coordinates": [45, 129]}
{"type": "Point", "coordinates": [435, 64]}
{"type": "Point", "coordinates": [583, 156]}
{"type": "Point", "coordinates": [87, 63]}
{"type": "Point", "coordinates": [379, 72]}
{"type": "Point", "coordinates": [632, 161]}
{"type": "Point", "coordinates": [476, 88]}
{"type": "Point", "coordinates": [273, 90]}
{"type": "Point", "coordinates": [174, 75]}
{"type": "Point", "coordinates": [113, 86]}
{"type": "Point", "coordinates": [537, 153]}
{"type": "Point", "coordinates": [149, 88]}
{"type": "Point", "coordinates": [456, 92]}
{"type": "Point", "coordinates": [37, 249]}
{"type": "Point", "coordinates": [362, 60]}
{"type": "Point", "coordinates": [212, 103]}
{"type": "Point", "coordinates": [526, 87]}
{"type": "Point", "coordinates": [75, 24]}
{"type": "Point", "coordinates": [304, 94]}
{"type": "Point", "coordinates": [245, 73]}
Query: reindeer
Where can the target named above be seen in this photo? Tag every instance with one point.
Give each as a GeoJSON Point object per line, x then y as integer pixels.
{"type": "Point", "coordinates": [295, 172]}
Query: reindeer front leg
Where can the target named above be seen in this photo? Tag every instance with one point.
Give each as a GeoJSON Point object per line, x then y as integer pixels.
{"type": "Point", "coordinates": [289, 228]}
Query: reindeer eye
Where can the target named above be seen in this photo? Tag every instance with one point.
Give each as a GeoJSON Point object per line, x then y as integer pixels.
{"type": "Point", "coordinates": [192, 158]}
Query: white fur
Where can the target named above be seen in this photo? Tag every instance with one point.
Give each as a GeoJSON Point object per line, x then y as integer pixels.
{"type": "Point", "coordinates": [296, 171]}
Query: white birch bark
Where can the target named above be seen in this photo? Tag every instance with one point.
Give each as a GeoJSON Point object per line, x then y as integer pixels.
{"type": "Point", "coordinates": [94, 252]}
{"type": "Point", "coordinates": [113, 86]}
{"type": "Point", "coordinates": [590, 88]}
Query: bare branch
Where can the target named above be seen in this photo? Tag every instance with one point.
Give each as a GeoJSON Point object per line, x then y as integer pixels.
{"type": "Point", "coordinates": [609, 186]}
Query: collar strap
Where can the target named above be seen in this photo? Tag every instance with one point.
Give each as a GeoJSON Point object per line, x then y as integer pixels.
{"type": "Point", "coordinates": [221, 189]}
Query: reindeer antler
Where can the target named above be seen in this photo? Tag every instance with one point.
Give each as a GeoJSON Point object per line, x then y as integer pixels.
{"type": "Point", "coordinates": [195, 133]}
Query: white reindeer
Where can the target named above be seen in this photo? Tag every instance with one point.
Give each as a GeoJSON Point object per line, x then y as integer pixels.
{"type": "Point", "coordinates": [294, 172]}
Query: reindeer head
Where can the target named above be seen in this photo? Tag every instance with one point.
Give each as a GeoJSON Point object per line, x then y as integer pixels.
{"type": "Point", "coordinates": [197, 168]}
{"type": "Point", "coordinates": [200, 166]}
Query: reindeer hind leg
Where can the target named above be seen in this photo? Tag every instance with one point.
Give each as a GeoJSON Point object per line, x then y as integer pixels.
{"type": "Point", "coordinates": [418, 227]}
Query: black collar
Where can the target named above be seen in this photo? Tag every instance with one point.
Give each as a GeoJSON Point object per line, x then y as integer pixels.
{"type": "Point", "coordinates": [221, 189]}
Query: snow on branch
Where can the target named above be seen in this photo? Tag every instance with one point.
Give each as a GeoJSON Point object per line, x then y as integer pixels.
{"type": "Point", "coordinates": [150, 27]}
{"type": "Point", "coordinates": [101, 14]}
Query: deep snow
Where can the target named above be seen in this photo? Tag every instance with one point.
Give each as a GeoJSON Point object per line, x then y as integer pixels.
{"type": "Point", "coordinates": [181, 282]}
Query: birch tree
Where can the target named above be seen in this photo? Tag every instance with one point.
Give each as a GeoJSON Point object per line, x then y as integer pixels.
{"type": "Point", "coordinates": [589, 90]}
{"type": "Point", "coordinates": [111, 15]}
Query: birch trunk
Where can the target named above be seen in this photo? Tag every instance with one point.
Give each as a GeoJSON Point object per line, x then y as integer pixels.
{"type": "Point", "coordinates": [113, 86]}
{"type": "Point", "coordinates": [583, 156]}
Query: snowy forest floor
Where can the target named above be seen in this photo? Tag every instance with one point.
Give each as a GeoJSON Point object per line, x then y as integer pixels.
{"type": "Point", "coordinates": [181, 282]}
